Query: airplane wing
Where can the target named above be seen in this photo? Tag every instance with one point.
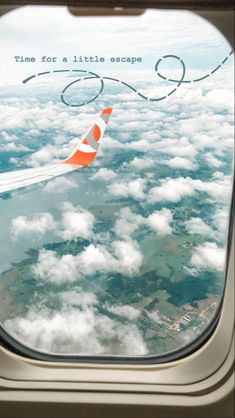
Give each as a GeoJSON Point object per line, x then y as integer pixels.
{"type": "Point", "coordinates": [82, 156]}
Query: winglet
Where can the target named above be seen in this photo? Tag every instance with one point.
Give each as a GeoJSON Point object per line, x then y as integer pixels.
{"type": "Point", "coordinates": [86, 152]}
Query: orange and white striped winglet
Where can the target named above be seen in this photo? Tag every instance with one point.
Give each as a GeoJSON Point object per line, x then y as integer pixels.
{"type": "Point", "coordinates": [86, 152]}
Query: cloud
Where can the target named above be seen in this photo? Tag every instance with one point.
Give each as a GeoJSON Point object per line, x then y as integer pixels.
{"type": "Point", "coordinates": [8, 136]}
{"type": "Point", "coordinates": [44, 156]}
{"type": "Point", "coordinates": [208, 256]}
{"type": "Point", "coordinates": [111, 143]}
{"type": "Point", "coordinates": [125, 258]}
{"type": "Point", "coordinates": [134, 188]}
{"type": "Point", "coordinates": [160, 221]}
{"type": "Point", "coordinates": [13, 147]}
{"type": "Point", "coordinates": [220, 189]}
{"type": "Point", "coordinates": [129, 257]}
{"type": "Point", "coordinates": [206, 130]}
{"type": "Point", "coordinates": [71, 331]}
{"type": "Point", "coordinates": [76, 223]}
{"type": "Point", "coordinates": [55, 269]}
{"type": "Point", "coordinates": [213, 160]}
{"type": "Point", "coordinates": [142, 163]}
{"type": "Point", "coordinates": [38, 225]}
{"type": "Point", "coordinates": [14, 160]}
{"type": "Point", "coordinates": [154, 315]}
{"type": "Point", "coordinates": [180, 162]}
{"type": "Point", "coordinates": [128, 222]}
{"type": "Point", "coordinates": [59, 139]}
{"type": "Point", "coordinates": [131, 340]}
{"type": "Point", "coordinates": [198, 226]}
{"type": "Point", "coordinates": [104, 174]}
{"type": "Point", "coordinates": [220, 98]}
{"type": "Point", "coordinates": [60, 185]}
{"type": "Point", "coordinates": [173, 190]}
{"type": "Point", "coordinates": [76, 331]}
{"type": "Point", "coordinates": [141, 145]}
{"type": "Point", "coordinates": [126, 311]}
{"type": "Point", "coordinates": [178, 147]}
{"type": "Point", "coordinates": [95, 258]}
{"type": "Point", "coordinates": [221, 219]}
{"type": "Point", "coordinates": [78, 297]}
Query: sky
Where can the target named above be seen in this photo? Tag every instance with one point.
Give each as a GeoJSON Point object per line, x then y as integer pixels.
{"type": "Point", "coordinates": [38, 31]}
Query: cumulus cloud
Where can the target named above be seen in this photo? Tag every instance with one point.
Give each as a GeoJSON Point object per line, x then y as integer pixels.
{"type": "Point", "coordinates": [131, 341]}
{"type": "Point", "coordinates": [141, 145]}
{"type": "Point", "coordinates": [198, 226]}
{"type": "Point", "coordinates": [76, 223]}
{"type": "Point", "coordinates": [75, 331]}
{"type": "Point", "coordinates": [221, 219]}
{"type": "Point", "coordinates": [154, 315]}
{"type": "Point", "coordinates": [128, 222]}
{"type": "Point", "coordinates": [78, 297]}
{"type": "Point", "coordinates": [55, 269]}
{"type": "Point", "coordinates": [42, 156]}
{"type": "Point", "coordinates": [160, 221]}
{"type": "Point", "coordinates": [125, 228]}
{"type": "Point", "coordinates": [219, 188]}
{"type": "Point", "coordinates": [125, 258]}
{"type": "Point", "coordinates": [112, 143]}
{"type": "Point", "coordinates": [180, 162]}
{"type": "Point", "coordinates": [220, 98]}
{"type": "Point", "coordinates": [212, 160]}
{"type": "Point", "coordinates": [38, 225]}
{"type": "Point", "coordinates": [129, 258]}
{"type": "Point", "coordinates": [13, 160]}
{"type": "Point", "coordinates": [72, 331]}
{"type": "Point", "coordinates": [178, 147]}
{"type": "Point", "coordinates": [174, 189]}
{"type": "Point", "coordinates": [134, 188]}
{"type": "Point", "coordinates": [142, 163]}
{"type": "Point", "coordinates": [208, 256]}
{"type": "Point", "coordinates": [60, 184]}
{"type": "Point", "coordinates": [126, 311]}
{"type": "Point", "coordinates": [104, 174]}
{"type": "Point", "coordinates": [13, 147]}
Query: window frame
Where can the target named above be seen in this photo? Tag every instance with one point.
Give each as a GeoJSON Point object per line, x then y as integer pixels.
{"type": "Point", "coordinates": [204, 372]}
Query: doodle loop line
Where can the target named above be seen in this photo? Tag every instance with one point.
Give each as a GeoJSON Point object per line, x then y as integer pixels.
{"type": "Point", "coordinates": [92, 75]}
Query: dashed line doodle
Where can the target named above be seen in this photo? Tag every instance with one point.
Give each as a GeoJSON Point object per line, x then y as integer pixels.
{"type": "Point", "coordinates": [88, 75]}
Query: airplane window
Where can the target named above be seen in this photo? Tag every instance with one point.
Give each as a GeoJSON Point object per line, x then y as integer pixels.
{"type": "Point", "coordinates": [116, 156]}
